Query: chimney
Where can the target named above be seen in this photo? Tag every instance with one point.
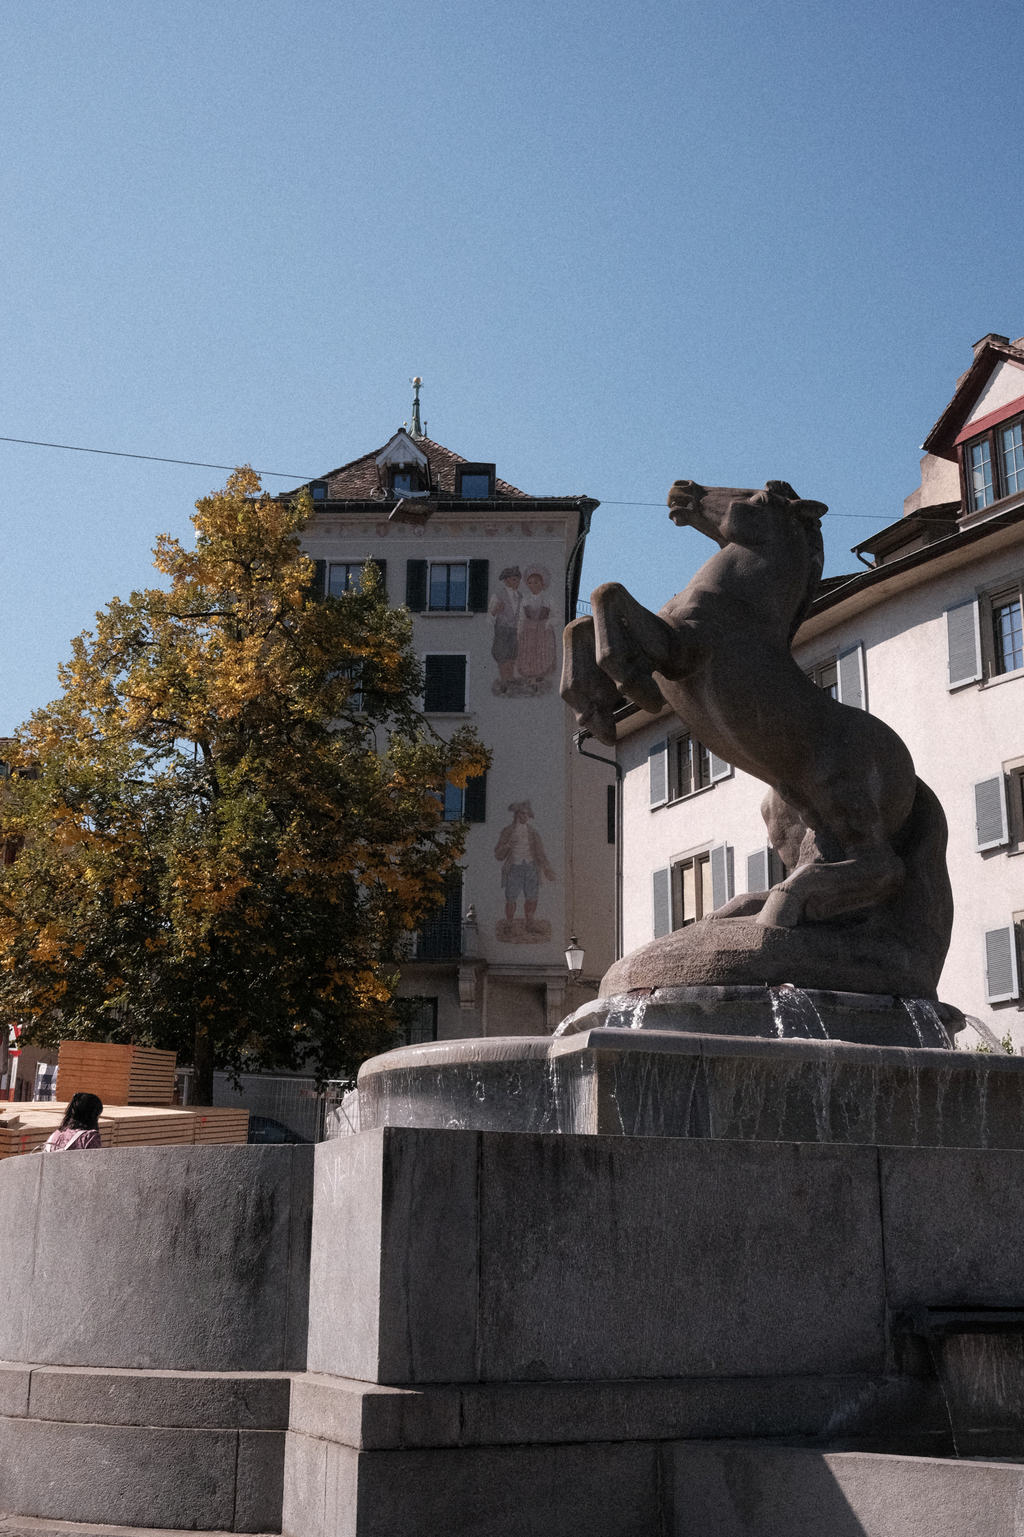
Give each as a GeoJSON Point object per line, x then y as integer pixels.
{"type": "Point", "coordinates": [1000, 341]}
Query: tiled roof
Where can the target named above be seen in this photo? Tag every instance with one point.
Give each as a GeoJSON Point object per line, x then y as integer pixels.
{"type": "Point", "coordinates": [358, 481]}
{"type": "Point", "coordinates": [968, 387]}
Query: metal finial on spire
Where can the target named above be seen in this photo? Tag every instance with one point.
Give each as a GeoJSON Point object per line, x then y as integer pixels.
{"type": "Point", "coordinates": [417, 430]}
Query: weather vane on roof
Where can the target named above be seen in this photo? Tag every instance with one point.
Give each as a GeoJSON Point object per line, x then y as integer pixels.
{"type": "Point", "coordinates": [417, 430]}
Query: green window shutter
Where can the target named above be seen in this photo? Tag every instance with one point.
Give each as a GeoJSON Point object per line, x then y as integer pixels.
{"type": "Point", "coordinates": [476, 798]}
{"type": "Point", "coordinates": [319, 583]}
{"type": "Point", "coordinates": [479, 581]}
{"type": "Point", "coordinates": [416, 585]}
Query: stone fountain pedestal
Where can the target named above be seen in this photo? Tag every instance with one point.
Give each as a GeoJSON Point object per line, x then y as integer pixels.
{"type": "Point", "coordinates": [650, 1082]}
{"type": "Point", "coordinates": [632, 1280]}
{"type": "Point", "coordinates": [523, 1334]}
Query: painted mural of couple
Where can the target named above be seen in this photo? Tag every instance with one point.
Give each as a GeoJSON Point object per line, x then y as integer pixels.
{"type": "Point", "coordinates": [524, 644]}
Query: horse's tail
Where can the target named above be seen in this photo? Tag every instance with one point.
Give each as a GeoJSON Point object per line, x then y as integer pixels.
{"type": "Point", "coordinates": [924, 904]}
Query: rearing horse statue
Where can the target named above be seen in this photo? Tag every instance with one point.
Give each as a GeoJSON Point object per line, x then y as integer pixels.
{"type": "Point", "coordinates": [845, 810]}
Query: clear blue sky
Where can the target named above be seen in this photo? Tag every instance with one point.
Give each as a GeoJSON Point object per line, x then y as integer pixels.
{"type": "Point", "coordinates": [621, 243]}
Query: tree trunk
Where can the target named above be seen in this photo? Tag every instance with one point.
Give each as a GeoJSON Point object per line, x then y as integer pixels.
{"type": "Point", "coordinates": [202, 1062]}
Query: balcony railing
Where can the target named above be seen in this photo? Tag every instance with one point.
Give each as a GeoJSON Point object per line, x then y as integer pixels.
{"type": "Point", "coordinates": [440, 939]}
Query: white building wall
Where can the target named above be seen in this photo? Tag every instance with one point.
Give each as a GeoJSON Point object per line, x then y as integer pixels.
{"type": "Point", "coordinates": [515, 983]}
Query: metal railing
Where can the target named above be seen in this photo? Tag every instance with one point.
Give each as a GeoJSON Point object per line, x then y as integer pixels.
{"type": "Point", "coordinates": [440, 940]}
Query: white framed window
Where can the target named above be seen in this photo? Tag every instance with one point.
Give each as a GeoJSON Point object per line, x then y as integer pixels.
{"type": "Point", "coordinates": [681, 766]}
{"type": "Point", "coordinates": [985, 635]}
{"type": "Point", "coordinates": [843, 677]}
{"type": "Point", "coordinates": [994, 465]}
{"type": "Point", "coordinates": [692, 888]}
{"type": "Point", "coordinates": [449, 587]}
{"type": "Point", "coordinates": [1006, 631]}
{"type": "Point", "coordinates": [347, 575]}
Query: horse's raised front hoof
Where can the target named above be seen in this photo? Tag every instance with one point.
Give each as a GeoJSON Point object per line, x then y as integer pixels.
{"type": "Point", "coordinates": [641, 688]}
{"type": "Point", "coordinates": [600, 722]}
{"type": "Point", "coordinates": [783, 909]}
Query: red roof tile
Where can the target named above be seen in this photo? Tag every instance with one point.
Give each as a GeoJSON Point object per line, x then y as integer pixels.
{"type": "Point", "coordinates": [358, 480]}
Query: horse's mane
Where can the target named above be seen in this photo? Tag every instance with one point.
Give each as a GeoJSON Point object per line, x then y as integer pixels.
{"type": "Point", "coordinates": [810, 526]}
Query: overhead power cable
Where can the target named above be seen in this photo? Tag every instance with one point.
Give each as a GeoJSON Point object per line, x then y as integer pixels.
{"type": "Point", "coordinates": [201, 464]}
{"type": "Point", "coordinates": [115, 453]}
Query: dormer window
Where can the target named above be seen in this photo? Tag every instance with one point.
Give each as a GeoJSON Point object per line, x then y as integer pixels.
{"type": "Point", "coordinates": [994, 465]}
{"type": "Point", "coordinates": [318, 489]}
{"type": "Point", "coordinates": [474, 482]}
{"type": "Point", "coordinates": [403, 468]}
{"type": "Point", "coordinates": [407, 480]}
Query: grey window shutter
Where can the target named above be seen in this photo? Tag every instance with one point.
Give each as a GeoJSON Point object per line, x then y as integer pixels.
{"type": "Point", "coordinates": [757, 871]}
{"type": "Point", "coordinates": [479, 581]}
{"type": "Point", "coordinates": [657, 760]}
{"type": "Point", "coordinates": [719, 768]}
{"type": "Point", "coordinates": [990, 813]}
{"type": "Point", "coordinates": [662, 904]}
{"type": "Point", "coordinates": [721, 875]}
{"type": "Point", "coordinates": [476, 798]}
{"type": "Point", "coordinates": [850, 671]}
{"type": "Point", "coordinates": [776, 869]}
{"type": "Point", "coordinates": [1001, 981]}
{"type": "Point", "coordinates": [963, 639]}
{"type": "Point", "coordinates": [416, 585]}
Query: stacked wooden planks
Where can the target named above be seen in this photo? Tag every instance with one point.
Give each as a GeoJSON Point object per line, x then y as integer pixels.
{"type": "Point", "coordinates": [24, 1127]}
{"type": "Point", "coordinates": [151, 1081]}
{"type": "Point", "coordinates": [214, 1124]}
{"type": "Point", "coordinates": [93, 1067]}
{"type": "Point", "coordinates": [120, 1075]}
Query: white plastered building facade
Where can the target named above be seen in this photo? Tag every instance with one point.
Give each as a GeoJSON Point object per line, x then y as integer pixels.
{"type": "Point", "coordinates": [929, 638]}
{"type": "Point", "coordinates": [489, 574]}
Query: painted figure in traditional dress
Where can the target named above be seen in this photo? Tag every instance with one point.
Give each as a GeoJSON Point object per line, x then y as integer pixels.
{"type": "Point", "coordinates": [505, 607]}
{"type": "Point", "coordinates": [536, 659]}
{"type": "Point", "coordinates": [523, 862]}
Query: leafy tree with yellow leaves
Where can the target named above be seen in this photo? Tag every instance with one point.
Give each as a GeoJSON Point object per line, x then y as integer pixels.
{"type": "Point", "coordinates": [237, 815]}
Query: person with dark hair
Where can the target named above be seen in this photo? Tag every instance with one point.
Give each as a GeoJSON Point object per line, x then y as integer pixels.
{"type": "Point", "coordinates": [80, 1127]}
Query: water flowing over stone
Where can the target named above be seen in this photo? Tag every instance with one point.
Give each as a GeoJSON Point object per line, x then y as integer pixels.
{"type": "Point", "coordinates": [795, 1015]}
{"type": "Point", "coordinates": [928, 1027]}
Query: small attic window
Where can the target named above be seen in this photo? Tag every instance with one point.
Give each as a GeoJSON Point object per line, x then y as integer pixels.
{"type": "Point", "coordinates": [407, 480]}
{"type": "Point", "coordinates": [474, 481]}
{"type": "Point", "coordinates": [319, 490]}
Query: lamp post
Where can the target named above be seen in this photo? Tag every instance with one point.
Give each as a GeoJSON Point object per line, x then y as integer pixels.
{"type": "Point", "coordinates": [574, 957]}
